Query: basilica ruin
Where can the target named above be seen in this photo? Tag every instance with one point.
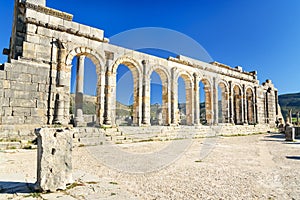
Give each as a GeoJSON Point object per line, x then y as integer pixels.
{"type": "Point", "coordinates": [35, 81]}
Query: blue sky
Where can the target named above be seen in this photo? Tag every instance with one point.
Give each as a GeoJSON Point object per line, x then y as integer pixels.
{"type": "Point", "coordinates": [257, 35]}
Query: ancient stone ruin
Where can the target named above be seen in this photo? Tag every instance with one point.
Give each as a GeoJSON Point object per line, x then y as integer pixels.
{"type": "Point", "coordinates": [35, 81]}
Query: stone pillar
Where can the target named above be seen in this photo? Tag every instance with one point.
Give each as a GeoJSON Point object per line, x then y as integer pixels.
{"type": "Point", "coordinates": [79, 121]}
{"type": "Point", "coordinates": [189, 103]}
{"type": "Point", "coordinates": [54, 159]}
{"type": "Point", "coordinates": [246, 105]}
{"type": "Point", "coordinates": [230, 103]}
{"type": "Point", "coordinates": [255, 106]}
{"type": "Point", "coordinates": [108, 94]}
{"type": "Point", "coordinates": [196, 101]}
{"type": "Point", "coordinates": [215, 100]}
{"type": "Point", "coordinates": [174, 99]}
{"type": "Point", "coordinates": [145, 96]}
{"type": "Point", "coordinates": [267, 107]}
{"type": "Point", "coordinates": [298, 113]}
{"type": "Point", "coordinates": [100, 97]}
{"type": "Point", "coordinates": [59, 109]}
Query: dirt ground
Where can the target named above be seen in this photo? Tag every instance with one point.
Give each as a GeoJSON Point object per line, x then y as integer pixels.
{"type": "Point", "coordinates": [242, 167]}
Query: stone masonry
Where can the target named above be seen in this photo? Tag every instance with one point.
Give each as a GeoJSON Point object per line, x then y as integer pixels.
{"type": "Point", "coordinates": [35, 81]}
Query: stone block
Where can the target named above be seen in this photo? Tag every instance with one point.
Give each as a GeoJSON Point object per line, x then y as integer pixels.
{"type": "Point", "coordinates": [45, 31]}
{"type": "Point", "coordinates": [45, 41]}
{"type": "Point", "coordinates": [19, 111]}
{"type": "Point", "coordinates": [97, 33]}
{"type": "Point", "coordinates": [6, 111]}
{"type": "Point", "coordinates": [17, 76]}
{"type": "Point", "coordinates": [6, 84]}
{"type": "Point", "coordinates": [4, 102]}
{"type": "Point", "coordinates": [31, 28]}
{"type": "Point", "coordinates": [13, 120]}
{"type": "Point", "coordinates": [54, 166]}
{"type": "Point", "coordinates": [56, 21]}
{"type": "Point", "coordinates": [25, 103]}
{"type": "Point", "coordinates": [35, 112]}
{"type": "Point", "coordinates": [289, 133]}
{"type": "Point", "coordinates": [23, 86]}
{"type": "Point", "coordinates": [84, 29]}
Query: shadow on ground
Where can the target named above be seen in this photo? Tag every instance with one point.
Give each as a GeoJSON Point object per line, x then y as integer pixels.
{"type": "Point", "coordinates": [293, 157]}
{"type": "Point", "coordinates": [16, 187]}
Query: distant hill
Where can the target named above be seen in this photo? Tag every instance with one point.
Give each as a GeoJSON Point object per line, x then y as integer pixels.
{"type": "Point", "coordinates": [289, 101]}
{"type": "Point", "coordinates": [89, 106]}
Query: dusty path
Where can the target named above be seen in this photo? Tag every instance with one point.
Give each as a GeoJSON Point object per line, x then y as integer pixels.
{"type": "Point", "coordinates": [245, 167]}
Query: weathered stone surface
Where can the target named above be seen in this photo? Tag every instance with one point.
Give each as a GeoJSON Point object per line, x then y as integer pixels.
{"type": "Point", "coordinates": [289, 133]}
{"type": "Point", "coordinates": [54, 158]}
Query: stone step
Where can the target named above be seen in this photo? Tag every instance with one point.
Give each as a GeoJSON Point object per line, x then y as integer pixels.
{"type": "Point", "coordinates": [10, 145]}
{"type": "Point", "coordinates": [92, 141]}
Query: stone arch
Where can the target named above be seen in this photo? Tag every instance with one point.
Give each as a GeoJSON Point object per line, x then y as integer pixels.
{"type": "Point", "coordinates": [98, 61]}
{"type": "Point", "coordinates": [111, 84]}
{"type": "Point", "coordinates": [250, 105]}
{"type": "Point", "coordinates": [224, 104]}
{"type": "Point", "coordinates": [189, 85]}
{"type": "Point", "coordinates": [95, 57]}
{"type": "Point", "coordinates": [165, 79]}
{"type": "Point", "coordinates": [237, 104]}
{"type": "Point", "coordinates": [208, 98]}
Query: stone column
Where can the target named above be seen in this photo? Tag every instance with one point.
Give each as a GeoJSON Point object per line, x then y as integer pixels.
{"type": "Point", "coordinates": [196, 101]}
{"type": "Point", "coordinates": [108, 94]}
{"type": "Point", "coordinates": [298, 113]}
{"type": "Point", "coordinates": [255, 106]}
{"type": "Point", "coordinates": [246, 105]}
{"type": "Point", "coordinates": [79, 121]}
{"type": "Point", "coordinates": [145, 96]}
{"type": "Point", "coordinates": [59, 110]}
{"type": "Point", "coordinates": [215, 102]}
{"type": "Point", "coordinates": [100, 97]}
{"type": "Point", "coordinates": [174, 99]}
{"type": "Point", "coordinates": [230, 103]}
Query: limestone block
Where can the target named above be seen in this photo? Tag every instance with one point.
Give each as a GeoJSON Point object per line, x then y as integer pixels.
{"type": "Point", "coordinates": [6, 84]}
{"type": "Point", "coordinates": [4, 102]}
{"type": "Point", "coordinates": [97, 33]}
{"type": "Point", "coordinates": [32, 39]}
{"type": "Point", "coordinates": [31, 28]}
{"type": "Point", "coordinates": [25, 103]}
{"type": "Point", "coordinates": [37, 2]}
{"type": "Point", "coordinates": [39, 79]}
{"type": "Point", "coordinates": [84, 29]}
{"type": "Point", "coordinates": [56, 21]}
{"type": "Point", "coordinates": [7, 111]}
{"type": "Point", "coordinates": [13, 120]}
{"type": "Point", "coordinates": [23, 86]}
{"type": "Point", "coordinates": [54, 167]}
{"type": "Point", "coordinates": [289, 133]}
{"type": "Point", "coordinates": [17, 76]}
{"type": "Point", "coordinates": [19, 111]}
{"type": "Point", "coordinates": [44, 31]}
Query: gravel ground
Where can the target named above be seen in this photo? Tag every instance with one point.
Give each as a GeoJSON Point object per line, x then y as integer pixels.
{"type": "Point", "coordinates": [244, 167]}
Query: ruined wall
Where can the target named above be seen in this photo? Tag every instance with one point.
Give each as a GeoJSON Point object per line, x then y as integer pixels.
{"type": "Point", "coordinates": [35, 83]}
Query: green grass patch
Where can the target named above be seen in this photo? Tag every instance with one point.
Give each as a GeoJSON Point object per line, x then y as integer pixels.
{"type": "Point", "coordinates": [197, 161]}
{"type": "Point", "coordinates": [113, 183]}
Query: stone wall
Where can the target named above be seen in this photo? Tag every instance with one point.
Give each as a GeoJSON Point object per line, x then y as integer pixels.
{"type": "Point", "coordinates": [35, 82]}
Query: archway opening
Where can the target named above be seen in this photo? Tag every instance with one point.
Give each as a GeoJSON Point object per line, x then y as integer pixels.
{"type": "Point", "coordinates": [237, 105]}
{"type": "Point", "coordinates": [124, 96]}
{"type": "Point", "coordinates": [222, 103]}
{"type": "Point", "coordinates": [181, 101]}
{"type": "Point", "coordinates": [205, 102]}
{"type": "Point", "coordinates": [250, 106]}
{"type": "Point", "coordinates": [185, 100]}
{"type": "Point", "coordinates": [83, 92]}
{"type": "Point", "coordinates": [156, 104]}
